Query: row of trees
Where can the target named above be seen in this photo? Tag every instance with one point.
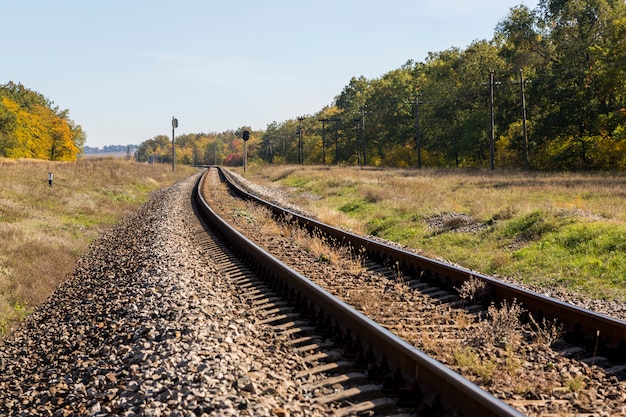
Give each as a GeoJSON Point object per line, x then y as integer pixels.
{"type": "Point", "coordinates": [32, 127]}
{"type": "Point", "coordinates": [224, 148]}
{"type": "Point", "coordinates": [553, 80]}
{"type": "Point", "coordinates": [547, 92]}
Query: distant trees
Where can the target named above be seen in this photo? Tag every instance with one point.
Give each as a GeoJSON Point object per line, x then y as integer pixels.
{"type": "Point", "coordinates": [31, 127]}
{"type": "Point", "coordinates": [566, 60]}
{"type": "Point", "coordinates": [224, 148]}
{"type": "Point", "coordinates": [558, 76]}
{"type": "Point", "coordinates": [557, 73]}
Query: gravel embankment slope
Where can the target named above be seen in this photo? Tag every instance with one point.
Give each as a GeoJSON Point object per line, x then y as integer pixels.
{"type": "Point", "coordinates": [147, 326]}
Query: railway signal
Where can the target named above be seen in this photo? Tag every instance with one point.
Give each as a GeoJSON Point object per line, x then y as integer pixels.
{"type": "Point", "coordinates": [174, 126]}
{"type": "Point", "coordinates": [246, 136]}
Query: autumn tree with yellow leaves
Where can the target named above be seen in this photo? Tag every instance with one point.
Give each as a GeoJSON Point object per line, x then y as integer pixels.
{"type": "Point", "coordinates": [32, 127]}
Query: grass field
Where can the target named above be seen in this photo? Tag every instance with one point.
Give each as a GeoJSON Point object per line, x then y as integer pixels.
{"type": "Point", "coordinates": [563, 230]}
{"type": "Point", "coordinates": [43, 229]}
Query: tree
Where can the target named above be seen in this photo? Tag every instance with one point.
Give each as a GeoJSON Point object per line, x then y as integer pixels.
{"type": "Point", "coordinates": [456, 93]}
{"type": "Point", "coordinates": [586, 96]}
{"type": "Point", "coordinates": [390, 114]}
{"type": "Point", "coordinates": [8, 121]}
{"type": "Point", "coordinates": [30, 127]}
{"type": "Point", "coordinates": [351, 102]}
{"type": "Point", "coordinates": [159, 147]}
{"type": "Point", "coordinates": [572, 55]}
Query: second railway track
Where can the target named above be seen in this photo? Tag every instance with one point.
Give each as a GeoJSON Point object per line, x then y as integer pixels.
{"type": "Point", "coordinates": [551, 391]}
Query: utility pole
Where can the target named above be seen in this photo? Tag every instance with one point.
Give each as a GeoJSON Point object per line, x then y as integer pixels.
{"type": "Point", "coordinates": [492, 145]}
{"type": "Point", "coordinates": [363, 134]}
{"type": "Point", "coordinates": [336, 120]}
{"type": "Point", "coordinates": [524, 131]}
{"type": "Point", "coordinates": [174, 126]}
{"type": "Point", "coordinates": [336, 146]}
{"type": "Point", "coordinates": [300, 150]}
{"type": "Point", "coordinates": [269, 153]}
{"type": "Point", "coordinates": [358, 146]}
{"type": "Point", "coordinates": [418, 143]}
{"type": "Point", "coordinates": [323, 141]}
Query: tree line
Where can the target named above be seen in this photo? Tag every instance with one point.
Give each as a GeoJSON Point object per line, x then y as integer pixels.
{"type": "Point", "coordinates": [547, 92]}
{"type": "Point", "coordinates": [31, 126]}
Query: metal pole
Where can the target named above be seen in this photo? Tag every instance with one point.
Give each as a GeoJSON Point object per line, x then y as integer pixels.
{"type": "Point", "coordinates": [323, 141]}
{"type": "Point", "coordinates": [336, 120]}
{"type": "Point", "coordinates": [300, 150]}
{"type": "Point", "coordinates": [521, 85]}
{"type": "Point", "coordinates": [492, 129]}
{"type": "Point", "coordinates": [174, 125]}
{"type": "Point", "coordinates": [336, 147]}
{"type": "Point", "coordinates": [245, 155]}
{"type": "Point", "coordinates": [357, 140]}
{"type": "Point", "coordinates": [417, 133]}
{"type": "Point", "coordinates": [269, 153]}
{"type": "Point", "coordinates": [363, 134]}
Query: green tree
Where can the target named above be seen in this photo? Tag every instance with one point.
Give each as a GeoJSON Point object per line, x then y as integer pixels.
{"type": "Point", "coordinates": [351, 102]}
{"type": "Point", "coordinates": [456, 103]}
{"type": "Point", "coordinates": [159, 147]}
{"type": "Point", "coordinates": [587, 96]}
{"type": "Point", "coordinates": [390, 119]}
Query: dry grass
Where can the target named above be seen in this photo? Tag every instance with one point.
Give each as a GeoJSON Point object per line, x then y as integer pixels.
{"type": "Point", "coordinates": [475, 290]}
{"type": "Point", "coordinates": [531, 226]}
{"type": "Point", "coordinates": [480, 194]}
{"type": "Point", "coordinates": [45, 229]}
{"type": "Point", "coordinates": [502, 327]}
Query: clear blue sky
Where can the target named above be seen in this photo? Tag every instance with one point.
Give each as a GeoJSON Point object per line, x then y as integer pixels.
{"type": "Point", "coordinates": [123, 68]}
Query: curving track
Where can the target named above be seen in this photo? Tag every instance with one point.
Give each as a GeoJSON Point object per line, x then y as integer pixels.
{"type": "Point", "coordinates": [149, 324]}
{"type": "Point", "coordinates": [607, 334]}
{"type": "Point", "coordinates": [382, 350]}
{"type": "Point", "coordinates": [603, 386]}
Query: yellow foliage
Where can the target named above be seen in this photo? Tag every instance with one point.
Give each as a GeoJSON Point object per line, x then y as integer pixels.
{"type": "Point", "coordinates": [62, 146]}
{"type": "Point", "coordinates": [39, 132]}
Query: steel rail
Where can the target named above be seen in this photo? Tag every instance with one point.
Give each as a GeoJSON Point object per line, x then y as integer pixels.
{"type": "Point", "coordinates": [456, 392]}
{"type": "Point", "coordinates": [581, 325]}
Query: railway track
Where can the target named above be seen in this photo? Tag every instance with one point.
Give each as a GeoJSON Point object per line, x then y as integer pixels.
{"type": "Point", "coordinates": [582, 325]}
{"type": "Point", "coordinates": [451, 312]}
{"type": "Point", "coordinates": [353, 364]}
{"type": "Point", "coordinates": [147, 325]}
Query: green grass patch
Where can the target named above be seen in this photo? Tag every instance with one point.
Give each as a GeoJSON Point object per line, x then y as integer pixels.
{"type": "Point", "coordinates": [564, 229]}
{"type": "Point", "coordinates": [466, 249]}
{"type": "Point", "coordinates": [532, 226]}
{"type": "Point", "coordinates": [589, 257]}
{"type": "Point", "coordinates": [355, 207]}
{"type": "Point", "coordinates": [394, 227]}
{"type": "Point", "coordinates": [296, 182]}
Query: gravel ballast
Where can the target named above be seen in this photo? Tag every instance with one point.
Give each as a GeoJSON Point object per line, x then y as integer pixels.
{"type": "Point", "coordinates": [147, 326]}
